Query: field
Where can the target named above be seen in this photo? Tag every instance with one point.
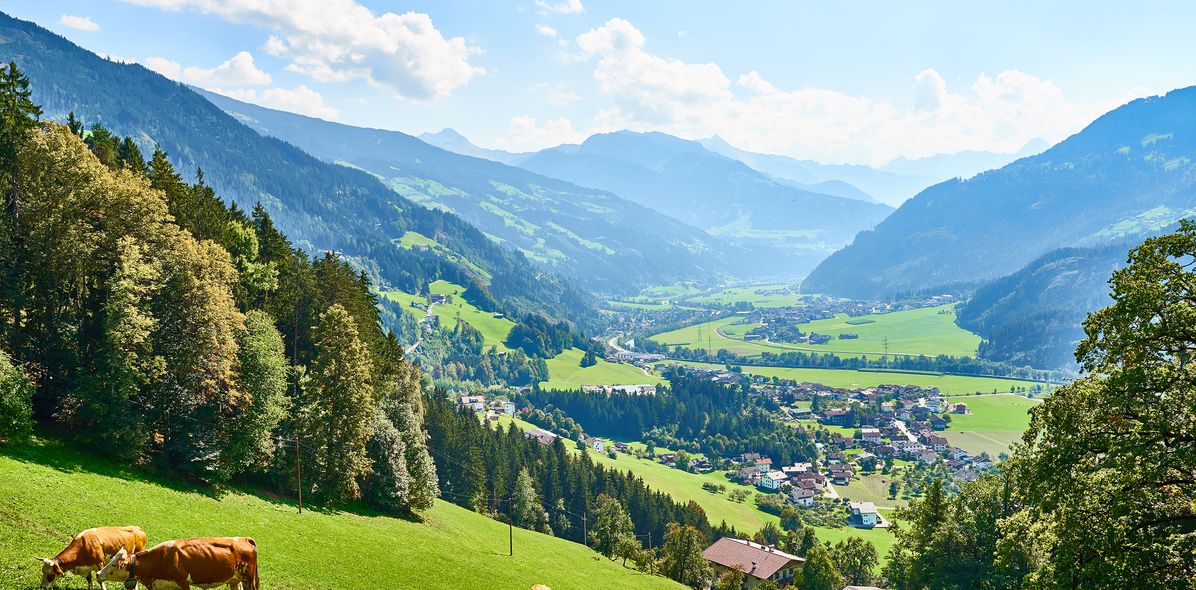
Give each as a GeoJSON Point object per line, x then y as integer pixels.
{"type": "Point", "coordinates": [753, 295]}
{"type": "Point", "coordinates": [51, 493]}
{"type": "Point", "coordinates": [683, 486]}
{"type": "Point", "coordinates": [947, 384]}
{"type": "Point", "coordinates": [914, 332]}
{"type": "Point", "coordinates": [494, 330]}
{"type": "Point", "coordinates": [996, 422]}
{"type": "Point", "coordinates": [565, 372]}
{"type": "Point", "coordinates": [930, 331]}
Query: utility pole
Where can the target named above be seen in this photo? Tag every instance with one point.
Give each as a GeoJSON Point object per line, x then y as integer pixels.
{"type": "Point", "coordinates": [299, 472]}
{"type": "Point", "coordinates": [585, 535]}
{"type": "Point", "coordinates": [510, 527]}
{"type": "Point", "coordinates": [649, 539]}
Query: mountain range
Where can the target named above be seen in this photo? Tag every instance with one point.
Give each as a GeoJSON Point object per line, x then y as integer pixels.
{"type": "Point", "coordinates": [607, 243]}
{"type": "Point", "coordinates": [321, 206]}
{"type": "Point", "coordinates": [785, 230]}
{"type": "Point", "coordinates": [1129, 173]}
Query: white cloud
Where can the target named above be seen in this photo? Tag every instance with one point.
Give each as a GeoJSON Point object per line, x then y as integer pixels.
{"type": "Point", "coordinates": [239, 70]}
{"type": "Point", "coordinates": [301, 99]}
{"type": "Point", "coordinates": [527, 134]}
{"type": "Point", "coordinates": [82, 23]}
{"type": "Point", "coordinates": [338, 40]}
{"type": "Point", "coordinates": [161, 65]}
{"type": "Point", "coordinates": [652, 92]}
{"type": "Point", "coordinates": [546, 30]}
{"type": "Point", "coordinates": [562, 6]}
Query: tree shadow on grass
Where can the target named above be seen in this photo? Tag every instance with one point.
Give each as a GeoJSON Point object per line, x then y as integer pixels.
{"type": "Point", "coordinates": [63, 457]}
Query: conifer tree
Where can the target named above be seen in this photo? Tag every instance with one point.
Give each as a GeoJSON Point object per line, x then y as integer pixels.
{"type": "Point", "coordinates": [339, 408]}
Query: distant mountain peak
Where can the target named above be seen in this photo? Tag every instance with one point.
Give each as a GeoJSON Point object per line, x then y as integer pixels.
{"type": "Point", "coordinates": [446, 134]}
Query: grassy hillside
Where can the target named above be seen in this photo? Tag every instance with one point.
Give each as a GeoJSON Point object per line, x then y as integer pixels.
{"type": "Point", "coordinates": [494, 329]}
{"type": "Point", "coordinates": [928, 331]}
{"type": "Point", "coordinates": [565, 372]}
{"type": "Point", "coordinates": [950, 384]}
{"type": "Point", "coordinates": [51, 493]}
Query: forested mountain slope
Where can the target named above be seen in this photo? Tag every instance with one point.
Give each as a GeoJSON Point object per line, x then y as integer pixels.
{"type": "Point", "coordinates": [320, 205]}
{"type": "Point", "coordinates": [1033, 316]}
{"type": "Point", "coordinates": [786, 230]}
{"type": "Point", "coordinates": [607, 242]}
{"type": "Point", "coordinates": [1129, 173]}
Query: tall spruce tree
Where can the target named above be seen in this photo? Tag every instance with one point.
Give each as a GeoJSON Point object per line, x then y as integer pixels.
{"type": "Point", "coordinates": [339, 408]}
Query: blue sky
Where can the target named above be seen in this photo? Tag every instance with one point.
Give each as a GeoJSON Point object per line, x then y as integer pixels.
{"type": "Point", "coordinates": [844, 83]}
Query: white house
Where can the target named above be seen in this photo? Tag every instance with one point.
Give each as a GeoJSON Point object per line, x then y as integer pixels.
{"type": "Point", "coordinates": [773, 480]}
{"type": "Point", "coordinates": [597, 444]}
{"type": "Point", "coordinates": [870, 434]}
{"type": "Point", "coordinates": [802, 497]}
{"type": "Point", "coordinates": [476, 403]}
{"type": "Point", "coordinates": [864, 514]}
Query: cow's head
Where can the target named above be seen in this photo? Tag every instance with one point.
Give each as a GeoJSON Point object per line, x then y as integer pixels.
{"type": "Point", "coordinates": [116, 569]}
{"type": "Point", "coordinates": [51, 570]}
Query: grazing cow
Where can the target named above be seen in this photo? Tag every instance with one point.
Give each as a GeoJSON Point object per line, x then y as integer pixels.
{"type": "Point", "coordinates": [184, 563]}
{"type": "Point", "coordinates": [89, 551]}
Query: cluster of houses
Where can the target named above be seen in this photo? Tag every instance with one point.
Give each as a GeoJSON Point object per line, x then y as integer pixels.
{"type": "Point", "coordinates": [494, 409]}
{"type": "Point", "coordinates": [639, 359]}
{"type": "Point", "coordinates": [714, 375]}
{"type": "Point", "coordinates": [642, 389]}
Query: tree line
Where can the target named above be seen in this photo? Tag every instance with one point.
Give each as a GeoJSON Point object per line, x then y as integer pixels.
{"type": "Point", "coordinates": [154, 321]}
{"type": "Point", "coordinates": [692, 414]}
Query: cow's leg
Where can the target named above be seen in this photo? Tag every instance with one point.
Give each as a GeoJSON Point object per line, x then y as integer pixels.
{"type": "Point", "coordinates": [234, 584]}
{"type": "Point", "coordinates": [89, 586]}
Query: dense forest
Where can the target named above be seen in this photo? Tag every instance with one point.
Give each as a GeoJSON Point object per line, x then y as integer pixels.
{"type": "Point", "coordinates": [1034, 316]}
{"type": "Point", "coordinates": [692, 414]}
{"type": "Point", "coordinates": [154, 321]}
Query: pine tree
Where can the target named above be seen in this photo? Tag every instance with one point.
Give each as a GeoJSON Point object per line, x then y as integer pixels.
{"type": "Point", "coordinates": [18, 116]}
{"type": "Point", "coordinates": [339, 408]}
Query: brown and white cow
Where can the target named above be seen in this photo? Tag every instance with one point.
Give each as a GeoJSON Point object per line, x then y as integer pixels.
{"type": "Point", "coordinates": [186, 563]}
{"type": "Point", "coordinates": [89, 550]}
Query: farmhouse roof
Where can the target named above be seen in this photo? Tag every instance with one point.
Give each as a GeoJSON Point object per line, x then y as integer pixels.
{"type": "Point", "coordinates": [752, 559]}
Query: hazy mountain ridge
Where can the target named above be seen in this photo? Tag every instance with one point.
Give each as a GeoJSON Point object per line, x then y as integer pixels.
{"type": "Point", "coordinates": [1127, 174]}
{"type": "Point", "coordinates": [786, 229]}
{"type": "Point", "coordinates": [606, 242]}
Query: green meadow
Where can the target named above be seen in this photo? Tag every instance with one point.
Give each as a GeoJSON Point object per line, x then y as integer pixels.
{"type": "Point", "coordinates": [494, 330]}
{"type": "Point", "coordinates": [995, 422]}
{"type": "Point", "coordinates": [565, 372]}
{"type": "Point", "coordinates": [928, 331]}
{"type": "Point", "coordinates": [848, 378]}
{"type": "Point", "coordinates": [50, 493]}
{"type": "Point", "coordinates": [757, 295]}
